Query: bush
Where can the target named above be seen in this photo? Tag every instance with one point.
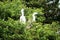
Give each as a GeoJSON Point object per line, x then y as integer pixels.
{"type": "Point", "coordinates": [12, 29]}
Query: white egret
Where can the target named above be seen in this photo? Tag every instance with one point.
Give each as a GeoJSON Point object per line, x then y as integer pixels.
{"type": "Point", "coordinates": [30, 21]}
{"type": "Point", "coordinates": [22, 17]}
{"type": "Point", "coordinates": [34, 18]}
{"type": "Point", "coordinates": [58, 32]}
{"type": "Point", "coordinates": [50, 2]}
{"type": "Point", "coordinates": [59, 4]}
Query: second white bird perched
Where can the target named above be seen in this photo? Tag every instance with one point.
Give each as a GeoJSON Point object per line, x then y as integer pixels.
{"type": "Point", "coordinates": [30, 21]}
{"type": "Point", "coordinates": [34, 18]}
{"type": "Point", "coordinates": [22, 17]}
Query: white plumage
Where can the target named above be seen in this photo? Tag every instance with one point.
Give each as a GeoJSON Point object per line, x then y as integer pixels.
{"type": "Point", "coordinates": [31, 20]}
{"type": "Point", "coordinates": [58, 32]}
{"type": "Point", "coordinates": [59, 4]}
{"type": "Point", "coordinates": [22, 17]}
{"type": "Point", "coordinates": [34, 18]}
{"type": "Point", "coordinates": [50, 2]}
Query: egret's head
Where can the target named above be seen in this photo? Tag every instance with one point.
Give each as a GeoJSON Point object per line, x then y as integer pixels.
{"type": "Point", "coordinates": [22, 11]}
{"type": "Point", "coordinates": [35, 13]}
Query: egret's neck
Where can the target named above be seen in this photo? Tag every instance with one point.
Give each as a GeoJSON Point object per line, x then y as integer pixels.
{"type": "Point", "coordinates": [22, 13]}
{"type": "Point", "coordinates": [33, 15]}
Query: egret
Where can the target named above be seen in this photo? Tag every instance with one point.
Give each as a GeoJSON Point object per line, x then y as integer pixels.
{"type": "Point", "coordinates": [59, 4]}
{"type": "Point", "coordinates": [30, 21]}
{"type": "Point", "coordinates": [50, 2]}
{"type": "Point", "coordinates": [22, 17]}
{"type": "Point", "coordinates": [58, 32]}
{"type": "Point", "coordinates": [33, 17]}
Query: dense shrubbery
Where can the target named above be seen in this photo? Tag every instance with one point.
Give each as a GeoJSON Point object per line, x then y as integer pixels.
{"type": "Point", "coordinates": [12, 29]}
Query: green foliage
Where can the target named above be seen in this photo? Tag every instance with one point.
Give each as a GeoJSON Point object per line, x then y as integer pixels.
{"type": "Point", "coordinates": [34, 3]}
{"type": "Point", "coordinates": [12, 29]}
{"type": "Point", "coordinates": [10, 9]}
